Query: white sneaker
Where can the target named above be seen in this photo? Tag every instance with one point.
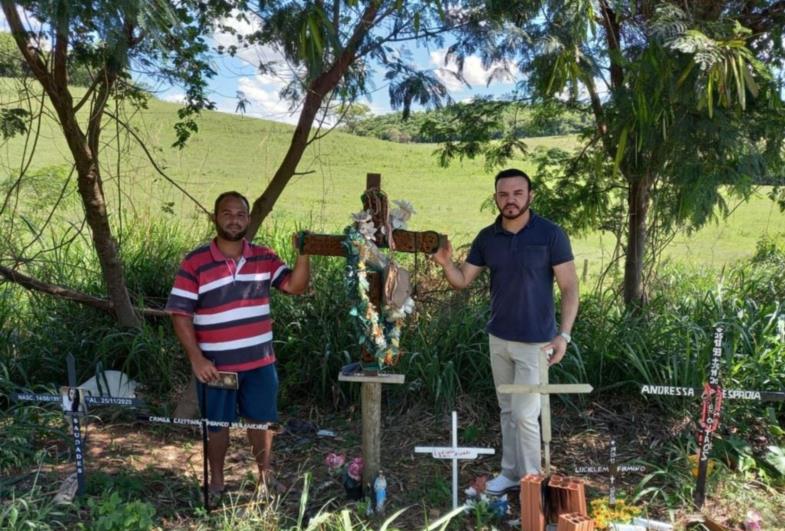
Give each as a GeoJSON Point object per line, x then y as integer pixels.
{"type": "Point", "coordinates": [500, 484]}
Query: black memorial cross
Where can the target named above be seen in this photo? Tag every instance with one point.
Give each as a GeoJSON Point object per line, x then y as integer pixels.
{"type": "Point", "coordinates": [74, 402]}
{"type": "Point", "coordinates": [713, 395]}
{"type": "Point", "coordinates": [613, 469]}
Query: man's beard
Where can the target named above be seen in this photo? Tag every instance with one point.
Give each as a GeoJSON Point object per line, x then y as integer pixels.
{"type": "Point", "coordinates": [230, 237]}
{"type": "Point", "coordinates": [518, 214]}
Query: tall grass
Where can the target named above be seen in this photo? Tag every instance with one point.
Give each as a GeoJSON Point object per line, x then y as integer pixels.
{"type": "Point", "coordinates": [446, 348]}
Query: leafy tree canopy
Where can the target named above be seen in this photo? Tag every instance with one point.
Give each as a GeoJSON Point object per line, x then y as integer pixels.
{"type": "Point", "coordinates": [684, 98]}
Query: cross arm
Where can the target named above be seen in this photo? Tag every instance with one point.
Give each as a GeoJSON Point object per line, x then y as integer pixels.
{"type": "Point", "coordinates": [405, 241]}
{"type": "Point", "coordinates": [549, 389]}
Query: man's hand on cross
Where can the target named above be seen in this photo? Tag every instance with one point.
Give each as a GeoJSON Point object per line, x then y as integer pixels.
{"type": "Point", "coordinates": [443, 255]}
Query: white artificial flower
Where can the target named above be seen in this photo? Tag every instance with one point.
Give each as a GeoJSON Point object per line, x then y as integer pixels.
{"type": "Point", "coordinates": [364, 223]}
{"type": "Point", "coordinates": [399, 216]}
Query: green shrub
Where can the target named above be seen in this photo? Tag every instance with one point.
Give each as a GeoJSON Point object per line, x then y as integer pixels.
{"type": "Point", "coordinates": [112, 513]}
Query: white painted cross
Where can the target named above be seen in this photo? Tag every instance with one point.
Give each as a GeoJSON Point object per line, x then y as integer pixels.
{"type": "Point", "coordinates": [455, 453]}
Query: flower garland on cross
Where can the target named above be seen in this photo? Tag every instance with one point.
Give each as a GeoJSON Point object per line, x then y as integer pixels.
{"type": "Point", "coordinates": [379, 334]}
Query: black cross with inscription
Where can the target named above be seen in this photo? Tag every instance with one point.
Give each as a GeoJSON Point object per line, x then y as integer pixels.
{"type": "Point", "coordinates": [612, 469]}
{"type": "Point", "coordinates": [74, 403]}
{"type": "Point", "coordinates": [204, 424]}
{"type": "Point", "coordinates": [712, 394]}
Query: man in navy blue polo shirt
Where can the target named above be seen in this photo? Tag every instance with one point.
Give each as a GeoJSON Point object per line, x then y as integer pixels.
{"type": "Point", "coordinates": [524, 253]}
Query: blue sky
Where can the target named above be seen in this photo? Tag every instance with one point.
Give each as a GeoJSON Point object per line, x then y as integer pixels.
{"type": "Point", "coordinates": [239, 73]}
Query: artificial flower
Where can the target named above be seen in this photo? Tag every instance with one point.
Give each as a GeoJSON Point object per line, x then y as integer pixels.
{"type": "Point", "coordinates": [334, 462]}
{"type": "Point", "coordinates": [355, 468]}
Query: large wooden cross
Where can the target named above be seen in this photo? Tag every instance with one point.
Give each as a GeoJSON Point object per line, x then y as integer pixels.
{"type": "Point", "coordinates": [403, 241]}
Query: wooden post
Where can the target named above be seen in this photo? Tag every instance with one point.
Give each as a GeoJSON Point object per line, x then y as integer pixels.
{"type": "Point", "coordinates": [371, 393]}
{"type": "Point", "coordinates": [371, 397]}
{"type": "Point", "coordinates": [545, 389]}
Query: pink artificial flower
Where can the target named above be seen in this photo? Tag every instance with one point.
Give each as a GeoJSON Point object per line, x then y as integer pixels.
{"type": "Point", "coordinates": [334, 461]}
{"type": "Point", "coordinates": [355, 469]}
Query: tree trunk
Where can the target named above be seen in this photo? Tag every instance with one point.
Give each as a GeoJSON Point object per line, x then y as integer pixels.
{"type": "Point", "coordinates": [263, 205]}
{"type": "Point", "coordinates": [94, 202]}
{"type": "Point", "coordinates": [638, 207]}
{"type": "Point", "coordinates": [322, 85]}
{"type": "Point", "coordinates": [55, 84]}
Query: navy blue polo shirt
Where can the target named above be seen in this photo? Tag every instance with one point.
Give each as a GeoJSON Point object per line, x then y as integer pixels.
{"type": "Point", "coordinates": [521, 265]}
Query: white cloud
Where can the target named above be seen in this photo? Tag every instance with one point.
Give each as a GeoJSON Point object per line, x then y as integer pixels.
{"type": "Point", "coordinates": [473, 71]}
{"type": "Point", "coordinates": [174, 97]}
{"type": "Point", "coordinates": [265, 102]}
{"type": "Point", "coordinates": [253, 54]}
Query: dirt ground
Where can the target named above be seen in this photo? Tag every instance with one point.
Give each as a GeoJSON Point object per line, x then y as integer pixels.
{"type": "Point", "coordinates": [163, 465]}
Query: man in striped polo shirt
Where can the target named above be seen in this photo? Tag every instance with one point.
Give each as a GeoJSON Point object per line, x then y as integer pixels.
{"type": "Point", "coordinates": [220, 308]}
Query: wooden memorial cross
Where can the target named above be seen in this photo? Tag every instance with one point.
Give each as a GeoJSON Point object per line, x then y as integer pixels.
{"type": "Point", "coordinates": [74, 403]}
{"type": "Point", "coordinates": [612, 469]}
{"type": "Point", "coordinates": [455, 453]}
{"type": "Point", "coordinates": [545, 390]}
{"type": "Point", "coordinates": [713, 394]}
{"type": "Point", "coordinates": [403, 241]}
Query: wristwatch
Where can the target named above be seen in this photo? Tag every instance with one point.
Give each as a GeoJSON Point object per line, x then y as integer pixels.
{"type": "Point", "coordinates": [567, 337]}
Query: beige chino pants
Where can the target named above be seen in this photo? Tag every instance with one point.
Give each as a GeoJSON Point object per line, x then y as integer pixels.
{"type": "Point", "coordinates": [518, 363]}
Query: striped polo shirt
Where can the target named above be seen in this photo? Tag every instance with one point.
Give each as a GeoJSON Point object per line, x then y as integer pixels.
{"type": "Point", "coordinates": [230, 303]}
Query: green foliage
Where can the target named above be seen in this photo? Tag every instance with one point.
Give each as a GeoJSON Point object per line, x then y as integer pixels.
{"type": "Point", "coordinates": [449, 124]}
{"type": "Point", "coordinates": [776, 458]}
{"type": "Point", "coordinates": [315, 38]}
{"type": "Point", "coordinates": [13, 122]}
{"type": "Point", "coordinates": [33, 510]}
{"type": "Point", "coordinates": [690, 104]}
{"type": "Point", "coordinates": [112, 513]}
{"type": "Point", "coordinates": [11, 63]}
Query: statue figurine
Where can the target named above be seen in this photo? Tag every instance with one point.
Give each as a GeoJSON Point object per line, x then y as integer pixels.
{"type": "Point", "coordinates": [380, 492]}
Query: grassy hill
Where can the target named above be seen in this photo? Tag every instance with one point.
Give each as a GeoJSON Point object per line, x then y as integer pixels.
{"type": "Point", "coordinates": [233, 152]}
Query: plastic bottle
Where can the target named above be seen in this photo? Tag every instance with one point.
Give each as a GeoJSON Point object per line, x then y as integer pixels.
{"type": "Point", "coordinates": [380, 492]}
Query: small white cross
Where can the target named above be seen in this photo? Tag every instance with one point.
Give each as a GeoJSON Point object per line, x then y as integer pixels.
{"type": "Point", "coordinates": [455, 453]}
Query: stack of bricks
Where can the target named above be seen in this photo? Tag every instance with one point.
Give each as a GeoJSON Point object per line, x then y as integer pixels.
{"type": "Point", "coordinates": [565, 495]}
{"type": "Point", "coordinates": [574, 522]}
{"type": "Point", "coordinates": [560, 500]}
{"type": "Point", "coordinates": [532, 503]}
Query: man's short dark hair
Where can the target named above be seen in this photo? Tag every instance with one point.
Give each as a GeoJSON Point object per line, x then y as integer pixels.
{"type": "Point", "coordinates": [513, 172]}
{"type": "Point", "coordinates": [232, 193]}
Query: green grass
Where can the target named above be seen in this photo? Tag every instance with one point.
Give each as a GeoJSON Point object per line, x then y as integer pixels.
{"type": "Point", "coordinates": [233, 152]}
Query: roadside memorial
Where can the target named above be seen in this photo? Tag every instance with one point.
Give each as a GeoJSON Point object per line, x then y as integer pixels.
{"type": "Point", "coordinates": [382, 292]}
{"type": "Point", "coordinates": [74, 401]}
{"type": "Point", "coordinates": [713, 394]}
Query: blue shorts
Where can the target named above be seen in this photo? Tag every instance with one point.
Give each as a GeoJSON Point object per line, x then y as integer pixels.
{"type": "Point", "coordinates": [256, 398]}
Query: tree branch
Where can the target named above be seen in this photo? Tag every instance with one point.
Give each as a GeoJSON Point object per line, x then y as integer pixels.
{"type": "Point", "coordinates": [612, 32]}
{"type": "Point", "coordinates": [89, 91]}
{"type": "Point", "coordinates": [152, 161]}
{"type": "Point", "coordinates": [60, 70]}
{"type": "Point", "coordinates": [35, 285]}
{"type": "Point", "coordinates": [19, 33]}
